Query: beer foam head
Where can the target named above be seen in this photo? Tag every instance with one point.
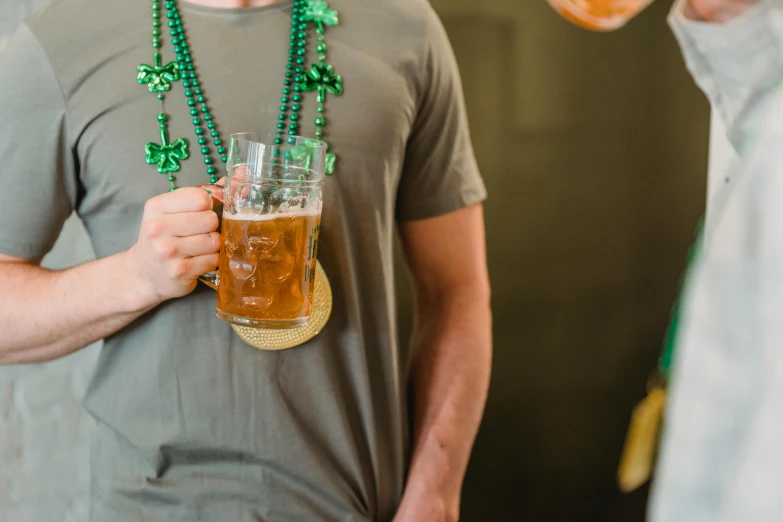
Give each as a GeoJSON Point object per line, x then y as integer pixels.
{"type": "Point", "coordinates": [250, 216]}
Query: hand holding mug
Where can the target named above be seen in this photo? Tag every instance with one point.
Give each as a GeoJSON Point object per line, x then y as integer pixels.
{"type": "Point", "coordinates": [177, 243]}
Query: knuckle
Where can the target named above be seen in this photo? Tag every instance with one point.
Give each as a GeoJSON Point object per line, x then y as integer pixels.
{"type": "Point", "coordinates": [178, 269]}
{"type": "Point", "coordinates": [166, 249]}
{"type": "Point", "coordinates": [151, 206]}
{"type": "Point", "coordinates": [154, 228]}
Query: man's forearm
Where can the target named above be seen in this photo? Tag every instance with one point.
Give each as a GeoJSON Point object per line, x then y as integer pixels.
{"type": "Point", "coordinates": [45, 315]}
{"type": "Point", "coordinates": [452, 349]}
{"type": "Point", "coordinates": [49, 314]}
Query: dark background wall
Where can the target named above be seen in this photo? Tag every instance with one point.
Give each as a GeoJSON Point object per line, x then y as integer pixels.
{"type": "Point", "coordinates": [594, 151]}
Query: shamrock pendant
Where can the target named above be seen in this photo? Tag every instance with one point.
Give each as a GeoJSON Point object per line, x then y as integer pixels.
{"type": "Point", "coordinates": [302, 156]}
{"type": "Point", "coordinates": [159, 77]}
{"type": "Point", "coordinates": [166, 155]}
{"type": "Point", "coordinates": [321, 78]}
{"type": "Point", "coordinates": [318, 12]}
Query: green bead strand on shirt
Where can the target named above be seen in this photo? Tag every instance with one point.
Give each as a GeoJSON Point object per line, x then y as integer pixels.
{"type": "Point", "coordinates": [320, 78]}
{"type": "Point", "coordinates": [323, 79]}
{"type": "Point", "coordinates": [296, 47]}
{"type": "Point", "coordinates": [198, 104]}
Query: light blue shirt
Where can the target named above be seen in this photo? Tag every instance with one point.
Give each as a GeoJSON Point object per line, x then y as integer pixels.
{"type": "Point", "coordinates": [722, 456]}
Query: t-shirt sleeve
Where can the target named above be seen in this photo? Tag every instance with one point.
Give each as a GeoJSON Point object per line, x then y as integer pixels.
{"type": "Point", "coordinates": [440, 174]}
{"type": "Point", "coordinates": [38, 167]}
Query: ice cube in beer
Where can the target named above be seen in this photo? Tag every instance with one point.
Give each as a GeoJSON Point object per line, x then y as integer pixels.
{"type": "Point", "coordinates": [264, 234]}
{"type": "Point", "coordinates": [258, 294]}
{"type": "Point", "coordinates": [277, 265]}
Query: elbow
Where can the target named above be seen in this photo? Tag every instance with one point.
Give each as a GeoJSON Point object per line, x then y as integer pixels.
{"type": "Point", "coordinates": [474, 294]}
{"type": "Point", "coordinates": [484, 291]}
{"type": "Point", "coordinates": [9, 357]}
{"type": "Point", "coordinates": [12, 349]}
{"type": "Point", "coordinates": [9, 353]}
{"type": "Point", "coordinates": [15, 354]}
{"type": "Point", "coordinates": [478, 291]}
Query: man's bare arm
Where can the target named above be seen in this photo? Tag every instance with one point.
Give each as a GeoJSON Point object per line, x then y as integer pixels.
{"type": "Point", "coordinates": [451, 357]}
{"type": "Point", "coordinates": [48, 314]}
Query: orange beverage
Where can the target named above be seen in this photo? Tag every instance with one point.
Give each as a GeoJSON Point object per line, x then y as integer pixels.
{"type": "Point", "coordinates": [267, 268]}
{"type": "Point", "coordinates": [599, 15]}
{"type": "Point", "coordinates": [272, 200]}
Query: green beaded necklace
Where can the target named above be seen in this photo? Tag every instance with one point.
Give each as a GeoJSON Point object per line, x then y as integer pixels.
{"type": "Point", "coordinates": [159, 79]}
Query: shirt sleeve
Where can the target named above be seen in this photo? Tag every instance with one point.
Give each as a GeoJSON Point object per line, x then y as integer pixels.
{"type": "Point", "coordinates": [735, 63]}
{"type": "Point", "coordinates": [440, 174]}
{"type": "Point", "coordinates": [38, 170]}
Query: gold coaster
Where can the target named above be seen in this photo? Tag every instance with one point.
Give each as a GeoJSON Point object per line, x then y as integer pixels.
{"type": "Point", "coordinates": [281, 339]}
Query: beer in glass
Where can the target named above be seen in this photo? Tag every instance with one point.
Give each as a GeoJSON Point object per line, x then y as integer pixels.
{"type": "Point", "coordinates": [599, 15]}
{"type": "Point", "coordinates": [272, 201]}
{"type": "Point", "coordinates": [267, 267]}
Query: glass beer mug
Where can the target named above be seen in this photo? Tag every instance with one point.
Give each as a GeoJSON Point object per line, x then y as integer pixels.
{"type": "Point", "coordinates": [599, 15]}
{"type": "Point", "coordinates": [272, 200]}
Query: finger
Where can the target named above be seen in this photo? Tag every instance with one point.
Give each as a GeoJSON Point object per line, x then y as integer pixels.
{"type": "Point", "coordinates": [215, 190]}
{"type": "Point", "coordinates": [186, 224]}
{"type": "Point", "coordinates": [200, 265]}
{"type": "Point", "coordinates": [219, 191]}
{"type": "Point", "coordinates": [188, 199]}
{"type": "Point", "coordinates": [202, 244]}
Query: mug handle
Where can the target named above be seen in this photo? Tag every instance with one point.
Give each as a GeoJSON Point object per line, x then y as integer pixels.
{"type": "Point", "coordinates": [211, 279]}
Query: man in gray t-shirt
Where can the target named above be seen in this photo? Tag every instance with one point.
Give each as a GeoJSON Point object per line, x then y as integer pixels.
{"type": "Point", "coordinates": [193, 424]}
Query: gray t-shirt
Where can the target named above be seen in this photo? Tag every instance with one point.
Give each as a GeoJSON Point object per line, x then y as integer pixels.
{"type": "Point", "coordinates": [193, 424]}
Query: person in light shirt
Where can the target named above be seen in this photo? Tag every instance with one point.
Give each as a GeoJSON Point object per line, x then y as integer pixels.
{"type": "Point", "coordinates": [722, 453]}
